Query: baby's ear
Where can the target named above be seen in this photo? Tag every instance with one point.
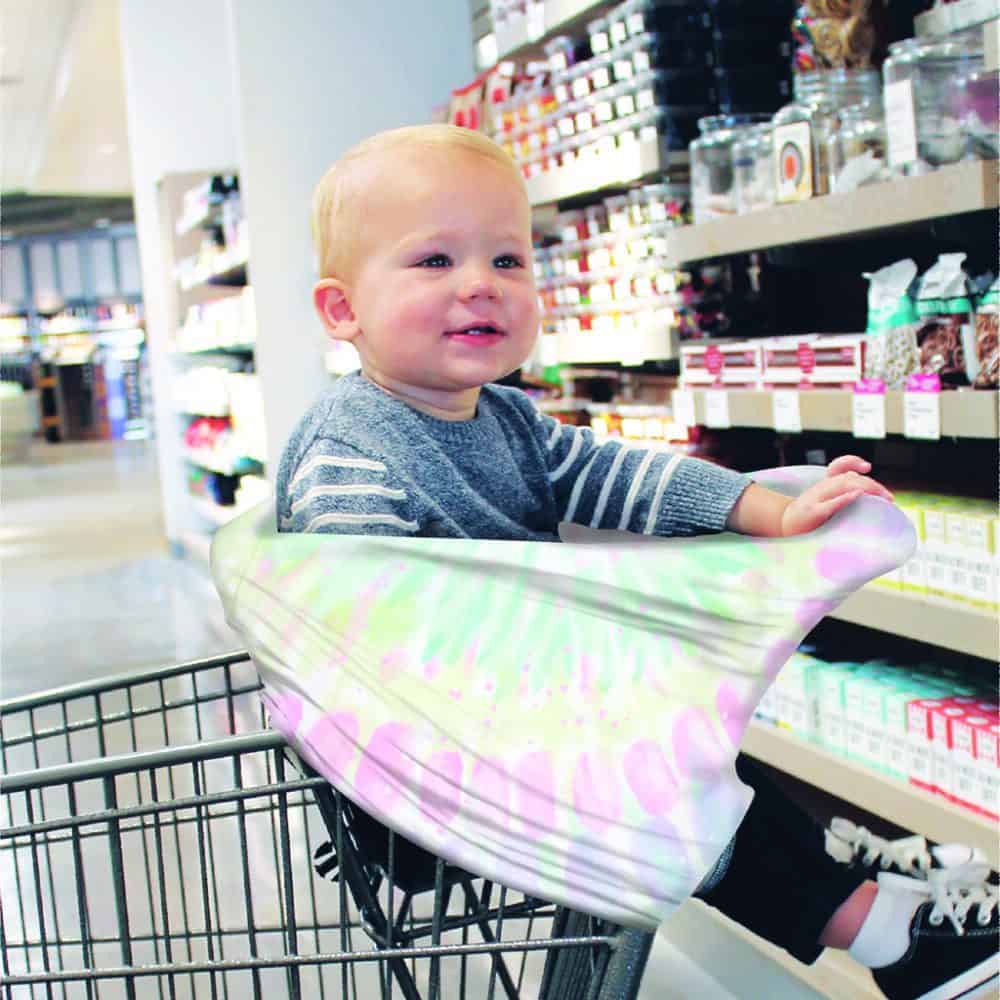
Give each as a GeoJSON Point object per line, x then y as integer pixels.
{"type": "Point", "coordinates": [334, 309]}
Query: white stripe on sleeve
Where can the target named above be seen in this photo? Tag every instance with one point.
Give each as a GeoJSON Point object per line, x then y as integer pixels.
{"type": "Point", "coordinates": [570, 458]}
{"type": "Point", "coordinates": [665, 476]}
{"type": "Point", "coordinates": [320, 520]}
{"type": "Point", "coordinates": [340, 463]}
{"type": "Point", "coordinates": [347, 489]}
{"type": "Point", "coordinates": [554, 436]}
{"type": "Point", "coordinates": [633, 490]}
{"type": "Point", "coordinates": [574, 497]}
{"type": "Point", "coordinates": [609, 482]}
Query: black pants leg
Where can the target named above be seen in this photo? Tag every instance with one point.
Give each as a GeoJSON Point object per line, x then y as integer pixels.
{"type": "Point", "coordinates": [781, 884]}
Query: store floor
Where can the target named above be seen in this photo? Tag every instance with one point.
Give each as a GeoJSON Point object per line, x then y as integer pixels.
{"type": "Point", "coordinates": [89, 589]}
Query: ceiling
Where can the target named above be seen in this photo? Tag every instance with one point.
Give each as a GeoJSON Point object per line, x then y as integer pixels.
{"type": "Point", "coordinates": [62, 100]}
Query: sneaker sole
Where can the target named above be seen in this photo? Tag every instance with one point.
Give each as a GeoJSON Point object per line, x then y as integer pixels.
{"type": "Point", "coordinates": [979, 981]}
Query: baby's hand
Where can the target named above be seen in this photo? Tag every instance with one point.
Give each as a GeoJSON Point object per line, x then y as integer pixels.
{"type": "Point", "coordinates": [845, 482]}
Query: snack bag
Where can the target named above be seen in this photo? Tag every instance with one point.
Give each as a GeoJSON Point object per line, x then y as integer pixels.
{"type": "Point", "coordinates": [987, 328]}
{"type": "Point", "coordinates": [892, 345]}
{"type": "Point", "coordinates": [944, 307]}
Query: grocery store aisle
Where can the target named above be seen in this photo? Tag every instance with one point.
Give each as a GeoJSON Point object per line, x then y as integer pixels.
{"type": "Point", "coordinates": [88, 586]}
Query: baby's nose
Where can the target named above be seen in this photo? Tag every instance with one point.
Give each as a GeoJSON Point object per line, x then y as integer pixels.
{"type": "Point", "coordinates": [479, 284]}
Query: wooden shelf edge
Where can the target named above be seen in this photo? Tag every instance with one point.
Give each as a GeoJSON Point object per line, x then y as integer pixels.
{"type": "Point", "coordinates": [705, 934]}
{"type": "Point", "coordinates": [953, 190]}
{"type": "Point", "coordinates": [937, 621]}
{"type": "Point", "coordinates": [966, 413]}
{"type": "Point", "coordinates": [900, 803]}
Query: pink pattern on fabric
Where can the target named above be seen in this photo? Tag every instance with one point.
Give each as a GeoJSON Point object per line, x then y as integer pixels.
{"type": "Point", "coordinates": [777, 656]}
{"type": "Point", "coordinates": [490, 786]}
{"type": "Point", "coordinates": [697, 749]}
{"type": "Point", "coordinates": [735, 710]}
{"type": "Point", "coordinates": [441, 786]}
{"type": "Point", "coordinates": [596, 795]}
{"type": "Point", "coordinates": [810, 612]}
{"type": "Point", "coordinates": [650, 777]}
{"type": "Point", "coordinates": [846, 566]}
{"type": "Point", "coordinates": [385, 766]}
{"type": "Point", "coordinates": [534, 789]}
{"type": "Point", "coordinates": [288, 707]}
{"type": "Point", "coordinates": [335, 739]}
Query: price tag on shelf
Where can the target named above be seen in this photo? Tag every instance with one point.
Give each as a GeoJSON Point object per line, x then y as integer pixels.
{"type": "Point", "coordinates": [717, 408]}
{"type": "Point", "coordinates": [683, 404]}
{"type": "Point", "coordinates": [922, 407]}
{"type": "Point", "coordinates": [868, 408]}
{"type": "Point", "coordinates": [786, 412]}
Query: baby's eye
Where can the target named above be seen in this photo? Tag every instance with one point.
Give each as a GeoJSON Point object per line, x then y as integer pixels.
{"type": "Point", "coordinates": [507, 261]}
{"type": "Point", "coordinates": [435, 260]}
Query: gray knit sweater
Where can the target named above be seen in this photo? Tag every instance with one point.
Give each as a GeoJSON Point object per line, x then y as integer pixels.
{"type": "Point", "coordinates": [362, 462]}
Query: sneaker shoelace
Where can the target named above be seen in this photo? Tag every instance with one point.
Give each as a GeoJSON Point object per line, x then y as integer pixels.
{"type": "Point", "coordinates": [953, 892]}
{"type": "Point", "coordinates": [908, 854]}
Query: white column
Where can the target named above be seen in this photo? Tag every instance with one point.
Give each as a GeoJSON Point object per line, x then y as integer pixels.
{"type": "Point", "coordinates": [313, 78]}
{"type": "Point", "coordinates": [181, 117]}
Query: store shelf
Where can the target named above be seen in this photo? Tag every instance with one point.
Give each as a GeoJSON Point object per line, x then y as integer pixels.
{"type": "Point", "coordinates": [935, 620]}
{"type": "Point", "coordinates": [213, 512]}
{"type": "Point", "coordinates": [900, 803]}
{"type": "Point", "coordinates": [213, 463]}
{"type": "Point", "coordinates": [634, 348]}
{"type": "Point", "coordinates": [954, 190]}
{"type": "Point", "coordinates": [703, 934]}
{"type": "Point", "coordinates": [964, 413]}
{"type": "Point", "coordinates": [957, 16]}
{"type": "Point", "coordinates": [524, 35]}
{"type": "Point", "coordinates": [626, 164]}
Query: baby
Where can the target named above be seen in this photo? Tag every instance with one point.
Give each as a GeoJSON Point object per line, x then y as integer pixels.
{"type": "Point", "coordinates": [425, 256]}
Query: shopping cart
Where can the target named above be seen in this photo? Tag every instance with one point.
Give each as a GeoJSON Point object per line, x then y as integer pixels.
{"type": "Point", "coordinates": [159, 841]}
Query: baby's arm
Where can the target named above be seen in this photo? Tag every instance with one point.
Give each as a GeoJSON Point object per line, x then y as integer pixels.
{"type": "Point", "coordinates": [647, 491]}
{"type": "Point", "coordinates": [337, 489]}
{"type": "Point", "coordinates": [760, 511]}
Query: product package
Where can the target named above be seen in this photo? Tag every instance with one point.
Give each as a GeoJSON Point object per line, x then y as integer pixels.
{"type": "Point", "coordinates": [987, 343]}
{"type": "Point", "coordinates": [892, 325]}
{"type": "Point", "coordinates": [944, 308]}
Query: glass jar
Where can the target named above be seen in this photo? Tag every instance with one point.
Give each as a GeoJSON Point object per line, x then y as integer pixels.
{"type": "Point", "coordinates": [753, 168]}
{"type": "Point", "coordinates": [978, 109]}
{"type": "Point", "coordinates": [803, 128]}
{"type": "Point", "coordinates": [922, 100]}
{"type": "Point", "coordinates": [713, 194]}
{"type": "Point", "coordinates": [857, 149]}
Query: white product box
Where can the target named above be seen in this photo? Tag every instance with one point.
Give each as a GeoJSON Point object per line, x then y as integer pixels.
{"type": "Point", "coordinates": [987, 742]}
{"type": "Point", "coordinates": [830, 698]}
{"type": "Point", "coordinates": [936, 551]}
{"type": "Point", "coordinates": [919, 765]}
{"type": "Point", "coordinates": [895, 749]}
{"type": "Point", "coordinates": [855, 736]}
{"type": "Point", "coordinates": [968, 790]}
{"type": "Point", "coordinates": [942, 763]}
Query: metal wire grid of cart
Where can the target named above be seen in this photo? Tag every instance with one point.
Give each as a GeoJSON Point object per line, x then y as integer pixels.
{"type": "Point", "coordinates": [159, 842]}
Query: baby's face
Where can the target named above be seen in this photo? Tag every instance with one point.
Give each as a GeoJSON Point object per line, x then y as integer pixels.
{"type": "Point", "coordinates": [444, 291]}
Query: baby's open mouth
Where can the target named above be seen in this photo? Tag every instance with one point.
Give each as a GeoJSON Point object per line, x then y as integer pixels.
{"type": "Point", "coordinates": [476, 330]}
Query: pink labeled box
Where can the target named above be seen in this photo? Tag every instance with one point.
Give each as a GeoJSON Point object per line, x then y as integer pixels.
{"type": "Point", "coordinates": [919, 748]}
{"type": "Point", "coordinates": [967, 778]}
{"type": "Point", "coordinates": [987, 743]}
{"type": "Point", "coordinates": [942, 717]}
{"type": "Point", "coordinates": [735, 363]}
{"type": "Point", "coordinates": [818, 361]}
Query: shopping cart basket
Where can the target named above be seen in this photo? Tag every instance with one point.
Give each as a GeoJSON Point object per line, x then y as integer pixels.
{"type": "Point", "coordinates": [136, 866]}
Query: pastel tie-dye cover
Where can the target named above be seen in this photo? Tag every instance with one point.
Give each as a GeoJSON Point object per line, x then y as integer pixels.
{"type": "Point", "coordinates": [560, 718]}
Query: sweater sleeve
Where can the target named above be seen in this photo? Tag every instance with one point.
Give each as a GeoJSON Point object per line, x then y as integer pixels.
{"type": "Point", "coordinates": [337, 489]}
{"type": "Point", "coordinates": [631, 488]}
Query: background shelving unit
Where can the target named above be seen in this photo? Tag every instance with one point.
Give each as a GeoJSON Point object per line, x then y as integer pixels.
{"type": "Point", "coordinates": [878, 214]}
{"type": "Point", "coordinates": [202, 281]}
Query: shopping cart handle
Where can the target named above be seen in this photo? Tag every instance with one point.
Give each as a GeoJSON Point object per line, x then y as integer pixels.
{"type": "Point", "coordinates": [561, 718]}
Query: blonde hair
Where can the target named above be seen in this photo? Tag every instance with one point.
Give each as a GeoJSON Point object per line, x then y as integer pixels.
{"type": "Point", "coordinates": [336, 200]}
